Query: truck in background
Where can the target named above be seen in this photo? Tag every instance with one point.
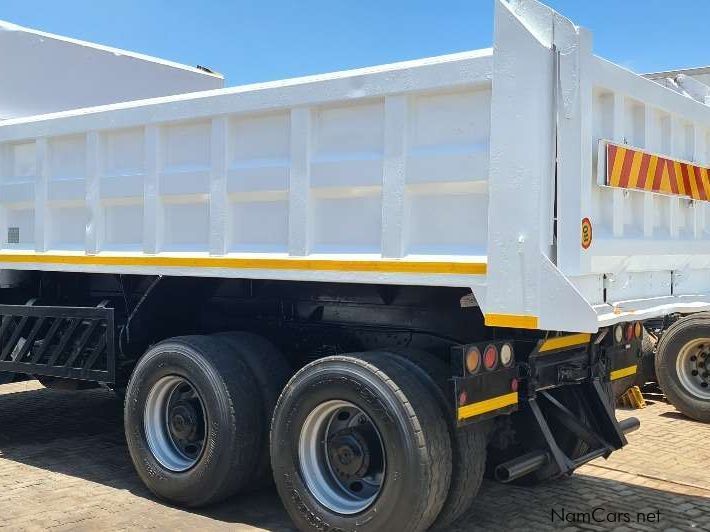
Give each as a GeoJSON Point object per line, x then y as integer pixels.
{"type": "Point", "coordinates": [370, 287]}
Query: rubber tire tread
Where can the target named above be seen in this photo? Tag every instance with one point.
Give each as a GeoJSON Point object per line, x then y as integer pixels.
{"type": "Point", "coordinates": [235, 445]}
{"type": "Point", "coordinates": [271, 371]}
{"type": "Point", "coordinates": [468, 443]}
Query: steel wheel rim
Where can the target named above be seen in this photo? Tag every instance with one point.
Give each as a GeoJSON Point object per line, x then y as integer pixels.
{"type": "Point", "coordinates": [693, 367]}
{"type": "Point", "coordinates": [175, 423]}
{"type": "Point", "coordinates": [342, 457]}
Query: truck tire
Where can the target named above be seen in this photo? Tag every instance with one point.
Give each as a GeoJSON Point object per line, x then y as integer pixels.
{"type": "Point", "coordinates": [271, 372]}
{"type": "Point", "coordinates": [468, 443]}
{"type": "Point", "coordinates": [192, 421]}
{"type": "Point", "coordinates": [683, 365]}
{"type": "Point", "coordinates": [387, 464]}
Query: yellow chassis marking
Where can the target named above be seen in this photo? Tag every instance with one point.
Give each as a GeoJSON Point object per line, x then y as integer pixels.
{"type": "Point", "coordinates": [561, 342]}
{"type": "Point", "coordinates": [623, 372]}
{"type": "Point", "coordinates": [377, 266]}
{"type": "Point", "coordinates": [481, 407]}
{"type": "Point", "coordinates": [514, 321]}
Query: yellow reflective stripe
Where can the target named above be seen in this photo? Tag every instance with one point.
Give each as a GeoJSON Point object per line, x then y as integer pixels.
{"type": "Point", "coordinates": [481, 407]}
{"type": "Point", "coordinates": [565, 341]}
{"type": "Point", "coordinates": [515, 321]}
{"type": "Point", "coordinates": [623, 372]}
{"type": "Point", "coordinates": [378, 266]}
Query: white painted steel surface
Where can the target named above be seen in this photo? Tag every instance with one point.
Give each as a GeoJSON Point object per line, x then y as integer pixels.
{"type": "Point", "coordinates": [46, 73]}
{"type": "Point", "coordinates": [442, 171]}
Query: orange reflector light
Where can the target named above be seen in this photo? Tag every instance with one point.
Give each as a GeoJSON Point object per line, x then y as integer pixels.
{"type": "Point", "coordinates": [473, 360]}
{"type": "Point", "coordinates": [638, 329]}
{"type": "Point", "coordinates": [490, 357]}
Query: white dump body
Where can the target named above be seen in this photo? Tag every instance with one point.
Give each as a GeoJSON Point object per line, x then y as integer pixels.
{"type": "Point", "coordinates": [46, 73]}
{"type": "Point", "coordinates": [472, 170]}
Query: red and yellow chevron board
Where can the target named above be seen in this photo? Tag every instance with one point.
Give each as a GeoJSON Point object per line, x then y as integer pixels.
{"type": "Point", "coordinates": [635, 169]}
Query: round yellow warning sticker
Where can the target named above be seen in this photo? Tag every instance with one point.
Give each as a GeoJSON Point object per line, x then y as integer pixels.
{"type": "Point", "coordinates": [586, 233]}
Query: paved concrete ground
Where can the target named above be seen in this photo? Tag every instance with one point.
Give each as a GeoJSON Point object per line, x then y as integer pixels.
{"type": "Point", "coordinates": [64, 466]}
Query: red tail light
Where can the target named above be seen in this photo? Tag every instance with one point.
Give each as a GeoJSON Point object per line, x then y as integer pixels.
{"type": "Point", "coordinates": [490, 357]}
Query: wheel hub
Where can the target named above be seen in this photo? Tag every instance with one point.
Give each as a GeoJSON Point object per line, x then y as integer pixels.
{"type": "Point", "coordinates": [693, 367]}
{"type": "Point", "coordinates": [175, 423]}
{"type": "Point", "coordinates": [342, 457]}
{"type": "Point", "coordinates": [349, 455]}
{"type": "Point", "coordinates": [183, 421]}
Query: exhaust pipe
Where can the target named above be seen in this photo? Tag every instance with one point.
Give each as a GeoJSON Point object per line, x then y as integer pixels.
{"type": "Point", "coordinates": [521, 466]}
{"type": "Point", "coordinates": [629, 425]}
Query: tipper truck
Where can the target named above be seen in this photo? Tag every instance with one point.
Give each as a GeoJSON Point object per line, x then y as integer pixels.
{"type": "Point", "coordinates": [371, 287]}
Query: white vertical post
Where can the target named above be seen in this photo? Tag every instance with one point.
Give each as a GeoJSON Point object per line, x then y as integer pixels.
{"type": "Point", "coordinates": [701, 157]}
{"type": "Point", "coordinates": [651, 144]}
{"type": "Point", "coordinates": [674, 201]}
{"type": "Point", "coordinates": [95, 224]}
{"type": "Point", "coordinates": [394, 176]}
{"type": "Point", "coordinates": [698, 207]}
{"type": "Point", "coordinates": [619, 195]}
{"type": "Point", "coordinates": [5, 172]}
{"type": "Point", "coordinates": [219, 204]}
{"type": "Point", "coordinates": [41, 185]}
{"type": "Point", "coordinates": [152, 211]}
{"type": "Point", "coordinates": [299, 237]}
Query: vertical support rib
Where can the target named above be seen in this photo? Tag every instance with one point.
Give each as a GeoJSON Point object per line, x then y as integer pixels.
{"type": "Point", "coordinates": [152, 215]}
{"type": "Point", "coordinates": [394, 176]}
{"type": "Point", "coordinates": [698, 206]}
{"type": "Point", "coordinates": [618, 195]}
{"type": "Point", "coordinates": [95, 225]}
{"type": "Point", "coordinates": [651, 144]}
{"type": "Point", "coordinates": [41, 185]}
{"type": "Point", "coordinates": [219, 203]}
{"type": "Point", "coordinates": [299, 237]}
{"type": "Point", "coordinates": [674, 201]}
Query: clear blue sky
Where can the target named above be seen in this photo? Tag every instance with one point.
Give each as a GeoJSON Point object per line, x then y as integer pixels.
{"type": "Point", "coordinates": [260, 40]}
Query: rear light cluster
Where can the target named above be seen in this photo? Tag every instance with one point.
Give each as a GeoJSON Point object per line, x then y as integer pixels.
{"type": "Point", "coordinates": [627, 332]}
{"type": "Point", "coordinates": [491, 358]}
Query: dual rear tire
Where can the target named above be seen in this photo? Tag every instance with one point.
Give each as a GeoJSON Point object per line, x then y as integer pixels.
{"type": "Point", "coordinates": [197, 415]}
{"type": "Point", "coordinates": [390, 468]}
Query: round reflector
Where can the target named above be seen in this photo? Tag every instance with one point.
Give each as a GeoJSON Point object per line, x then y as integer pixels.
{"type": "Point", "coordinates": [473, 360]}
{"type": "Point", "coordinates": [463, 398]}
{"type": "Point", "coordinates": [629, 332]}
{"type": "Point", "coordinates": [638, 329]}
{"type": "Point", "coordinates": [506, 355]}
{"type": "Point", "coordinates": [490, 357]}
{"type": "Point", "coordinates": [618, 334]}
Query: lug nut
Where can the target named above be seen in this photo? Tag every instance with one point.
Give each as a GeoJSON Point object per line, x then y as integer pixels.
{"type": "Point", "coordinates": [693, 358]}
